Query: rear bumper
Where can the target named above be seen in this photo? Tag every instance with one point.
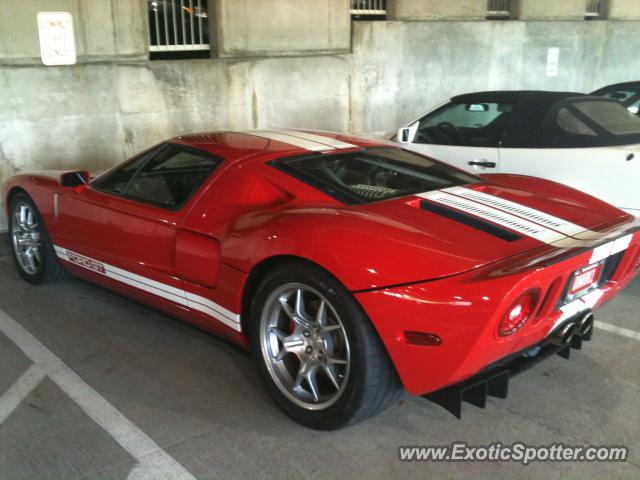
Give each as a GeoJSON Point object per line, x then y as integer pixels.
{"type": "Point", "coordinates": [493, 380]}
{"type": "Point", "coordinates": [464, 311]}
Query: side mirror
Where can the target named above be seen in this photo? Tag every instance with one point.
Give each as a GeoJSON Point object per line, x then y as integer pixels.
{"type": "Point", "coordinates": [404, 135]}
{"type": "Point", "coordinates": [75, 179]}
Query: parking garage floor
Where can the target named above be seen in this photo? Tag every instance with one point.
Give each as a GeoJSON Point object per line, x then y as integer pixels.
{"type": "Point", "coordinates": [93, 385]}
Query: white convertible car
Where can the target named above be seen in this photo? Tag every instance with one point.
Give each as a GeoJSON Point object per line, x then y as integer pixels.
{"type": "Point", "coordinates": [590, 143]}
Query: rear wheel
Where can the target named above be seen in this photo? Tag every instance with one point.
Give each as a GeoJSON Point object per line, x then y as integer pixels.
{"type": "Point", "coordinates": [317, 352]}
{"type": "Point", "coordinates": [31, 246]}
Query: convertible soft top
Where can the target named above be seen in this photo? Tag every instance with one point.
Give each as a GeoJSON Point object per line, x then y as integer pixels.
{"type": "Point", "coordinates": [528, 97]}
{"type": "Point", "coordinates": [533, 119]}
{"type": "Point", "coordinates": [617, 86]}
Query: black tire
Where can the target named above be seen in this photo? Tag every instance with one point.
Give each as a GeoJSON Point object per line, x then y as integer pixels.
{"type": "Point", "coordinates": [372, 383]}
{"type": "Point", "coordinates": [49, 269]}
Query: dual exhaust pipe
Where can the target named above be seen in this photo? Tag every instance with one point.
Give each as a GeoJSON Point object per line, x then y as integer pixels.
{"type": "Point", "coordinates": [573, 333]}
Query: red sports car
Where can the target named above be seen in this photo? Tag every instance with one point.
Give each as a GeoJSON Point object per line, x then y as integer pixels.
{"type": "Point", "coordinates": [352, 269]}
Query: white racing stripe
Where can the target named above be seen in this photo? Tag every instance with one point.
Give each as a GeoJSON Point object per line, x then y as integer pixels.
{"type": "Point", "coordinates": [611, 248]}
{"type": "Point", "coordinates": [288, 139]}
{"type": "Point", "coordinates": [528, 221]}
{"type": "Point", "coordinates": [505, 219]}
{"type": "Point", "coordinates": [308, 141]}
{"type": "Point", "coordinates": [312, 137]}
{"type": "Point", "coordinates": [173, 294]}
{"type": "Point", "coordinates": [212, 309]}
{"type": "Point", "coordinates": [558, 224]}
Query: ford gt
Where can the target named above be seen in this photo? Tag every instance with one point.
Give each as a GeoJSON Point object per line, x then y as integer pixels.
{"type": "Point", "coordinates": [353, 270]}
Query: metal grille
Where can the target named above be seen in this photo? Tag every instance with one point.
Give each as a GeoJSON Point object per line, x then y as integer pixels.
{"type": "Point", "coordinates": [499, 8]}
{"type": "Point", "coordinates": [368, 7]}
{"type": "Point", "coordinates": [595, 8]}
{"type": "Point", "coordinates": [178, 25]}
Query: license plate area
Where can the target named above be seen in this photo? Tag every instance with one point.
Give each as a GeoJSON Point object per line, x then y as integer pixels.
{"type": "Point", "coordinates": [584, 280]}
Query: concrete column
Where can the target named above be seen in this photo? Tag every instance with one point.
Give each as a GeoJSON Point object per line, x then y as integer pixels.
{"type": "Point", "coordinates": [437, 9]}
{"type": "Point", "coordinates": [249, 28]}
{"type": "Point", "coordinates": [552, 9]}
{"type": "Point", "coordinates": [624, 9]}
{"type": "Point", "coordinates": [131, 27]}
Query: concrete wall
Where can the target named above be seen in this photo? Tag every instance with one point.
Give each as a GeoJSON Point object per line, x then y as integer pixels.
{"type": "Point", "coordinates": [247, 28]}
{"type": "Point", "coordinates": [401, 69]}
{"type": "Point", "coordinates": [97, 115]}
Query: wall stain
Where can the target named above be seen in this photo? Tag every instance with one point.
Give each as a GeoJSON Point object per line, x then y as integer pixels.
{"type": "Point", "coordinates": [254, 109]}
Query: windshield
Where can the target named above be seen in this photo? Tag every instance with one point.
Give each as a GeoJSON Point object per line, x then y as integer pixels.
{"type": "Point", "coordinates": [372, 175]}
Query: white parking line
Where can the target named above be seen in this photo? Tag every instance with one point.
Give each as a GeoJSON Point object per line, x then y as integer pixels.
{"type": "Point", "coordinates": [625, 332]}
{"type": "Point", "coordinates": [19, 391]}
{"type": "Point", "coordinates": [153, 462]}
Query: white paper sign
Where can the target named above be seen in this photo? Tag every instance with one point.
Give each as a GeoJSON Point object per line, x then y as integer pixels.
{"type": "Point", "coordinates": [57, 41]}
{"type": "Point", "coordinates": [553, 58]}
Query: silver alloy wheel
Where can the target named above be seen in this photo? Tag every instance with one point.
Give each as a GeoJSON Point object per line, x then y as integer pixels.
{"type": "Point", "coordinates": [25, 234]}
{"type": "Point", "coordinates": [305, 346]}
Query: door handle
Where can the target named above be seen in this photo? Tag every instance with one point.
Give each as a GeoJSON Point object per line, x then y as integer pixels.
{"type": "Point", "coordinates": [482, 163]}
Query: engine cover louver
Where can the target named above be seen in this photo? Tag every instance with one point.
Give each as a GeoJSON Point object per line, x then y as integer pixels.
{"type": "Point", "coordinates": [471, 221]}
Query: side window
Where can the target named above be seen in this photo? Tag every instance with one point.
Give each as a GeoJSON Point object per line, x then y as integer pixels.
{"type": "Point", "coordinates": [171, 177]}
{"type": "Point", "coordinates": [465, 124]}
{"type": "Point", "coordinates": [116, 182]}
{"type": "Point", "coordinates": [588, 122]}
{"type": "Point", "coordinates": [570, 123]}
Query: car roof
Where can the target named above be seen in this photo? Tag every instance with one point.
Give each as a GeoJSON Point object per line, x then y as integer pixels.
{"type": "Point", "coordinates": [617, 86]}
{"type": "Point", "coordinates": [515, 96]}
{"type": "Point", "coordinates": [237, 145]}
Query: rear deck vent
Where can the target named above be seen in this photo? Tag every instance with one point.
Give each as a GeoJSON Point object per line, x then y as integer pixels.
{"type": "Point", "coordinates": [470, 220]}
{"type": "Point", "coordinates": [507, 206]}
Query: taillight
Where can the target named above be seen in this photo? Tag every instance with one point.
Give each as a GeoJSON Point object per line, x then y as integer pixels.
{"type": "Point", "coordinates": [518, 313]}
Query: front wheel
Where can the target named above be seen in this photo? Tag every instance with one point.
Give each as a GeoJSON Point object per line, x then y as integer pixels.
{"type": "Point", "coordinates": [317, 352]}
{"type": "Point", "coordinates": [31, 246]}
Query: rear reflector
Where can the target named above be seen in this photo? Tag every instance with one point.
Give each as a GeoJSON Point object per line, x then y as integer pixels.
{"type": "Point", "coordinates": [423, 339]}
